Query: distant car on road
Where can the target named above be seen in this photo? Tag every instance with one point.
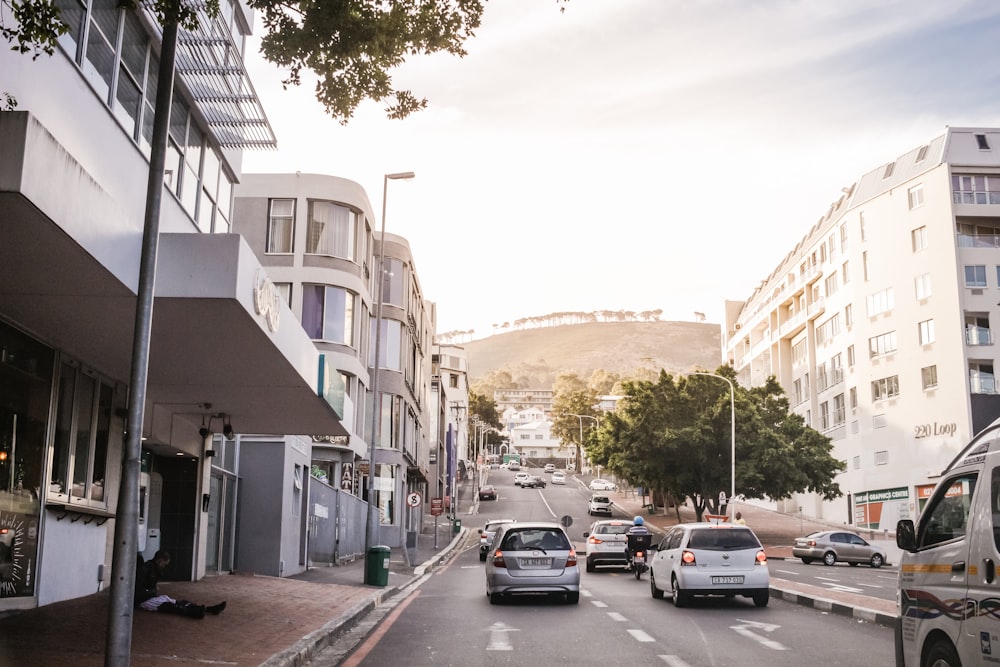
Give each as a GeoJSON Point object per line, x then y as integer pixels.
{"type": "Point", "coordinates": [599, 505]}
{"type": "Point", "coordinates": [519, 478]}
{"type": "Point", "coordinates": [513, 465]}
{"type": "Point", "coordinates": [831, 546]}
{"type": "Point", "coordinates": [602, 485]}
{"type": "Point", "coordinates": [486, 534]}
{"type": "Point", "coordinates": [533, 482]}
{"type": "Point", "coordinates": [558, 477]}
{"type": "Point", "coordinates": [487, 492]}
{"type": "Point", "coordinates": [549, 467]}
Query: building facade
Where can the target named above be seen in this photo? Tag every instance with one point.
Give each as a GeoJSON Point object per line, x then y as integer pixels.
{"type": "Point", "coordinates": [878, 324]}
{"type": "Point", "coordinates": [224, 355]}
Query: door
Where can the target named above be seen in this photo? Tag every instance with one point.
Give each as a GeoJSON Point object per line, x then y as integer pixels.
{"type": "Point", "coordinates": [981, 627]}
{"type": "Point", "coordinates": [220, 547]}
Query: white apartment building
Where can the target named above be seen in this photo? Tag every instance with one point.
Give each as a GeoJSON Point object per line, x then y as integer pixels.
{"type": "Point", "coordinates": [879, 324]}
{"type": "Point", "coordinates": [522, 399]}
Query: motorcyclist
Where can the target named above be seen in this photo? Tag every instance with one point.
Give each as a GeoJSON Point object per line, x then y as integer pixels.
{"type": "Point", "coordinates": [638, 528]}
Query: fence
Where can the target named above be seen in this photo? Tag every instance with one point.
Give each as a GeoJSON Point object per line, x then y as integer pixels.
{"type": "Point", "coordinates": [336, 524]}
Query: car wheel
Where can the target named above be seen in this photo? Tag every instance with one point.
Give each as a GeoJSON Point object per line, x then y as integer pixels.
{"type": "Point", "coordinates": [680, 598]}
{"type": "Point", "coordinates": [573, 597]}
{"type": "Point", "coordinates": [807, 561]}
{"type": "Point", "coordinates": [761, 598]}
{"type": "Point", "coordinates": [829, 558]}
{"type": "Point", "coordinates": [653, 590]}
{"type": "Point", "coordinates": [495, 598]}
{"type": "Point", "coordinates": [482, 558]}
{"type": "Point", "coordinates": [590, 566]}
{"type": "Point", "coordinates": [877, 560]}
{"type": "Point", "coordinates": [942, 654]}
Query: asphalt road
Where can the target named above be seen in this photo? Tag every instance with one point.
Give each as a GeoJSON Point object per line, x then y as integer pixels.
{"type": "Point", "coordinates": [447, 619]}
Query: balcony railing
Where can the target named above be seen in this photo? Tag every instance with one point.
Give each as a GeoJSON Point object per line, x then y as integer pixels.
{"type": "Point", "coordinates": [978, 336]}
{"type": "Point", "coordinates": [983, 384]}
{"type": "Point", "coordinates": [979, 241]}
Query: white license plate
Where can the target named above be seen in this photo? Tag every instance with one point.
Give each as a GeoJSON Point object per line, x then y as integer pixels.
{"type": "Point", "coordinates": [536, 562]}
{"type": "Point", "coordinates": [727, 580]}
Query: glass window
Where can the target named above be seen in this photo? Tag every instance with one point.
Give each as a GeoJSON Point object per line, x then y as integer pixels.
{"type": "Point", "coordinates": [332, 230]}
{"type": "Point", "coordinates": [926, 329]}
{"type": "Point", "coordinates": [328, 313]}
{"type": "Point", "coordinates": [975, 275]}
{"type": "Point", "coordinates": [99, 60]}
{"type": "Point", "coordinates": [916, 197]}
{"type": "Point", "coordinates": [922, 284]}
{"type": "Point", "coordinates": [928, 376]}
{"type": "Point", "coordinates": [918, 237]}
{"type": "Point", "coordinates": [947, 513]}
{"type": "Point", "coordinates": [393, 281]}
{"type": "Point", "coordinates": [280, 226]}
{"type": "Point", "coordinates": [385, 488]}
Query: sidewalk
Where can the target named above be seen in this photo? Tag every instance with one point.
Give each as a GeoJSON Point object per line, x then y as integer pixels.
{"type": "Point", "coordinates": [777, 532]}
{"type": "Point", "coordinates": [282, 622]}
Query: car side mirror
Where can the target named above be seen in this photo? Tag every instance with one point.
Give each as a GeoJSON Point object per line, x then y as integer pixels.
{"type": "Point", "coordinates": [586, 534]}
{"type": "Point", "coordinates": [906, 535]}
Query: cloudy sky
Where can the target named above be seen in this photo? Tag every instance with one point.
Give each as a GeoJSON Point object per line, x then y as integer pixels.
{"type": "Point", "coordinates": [642, 154]}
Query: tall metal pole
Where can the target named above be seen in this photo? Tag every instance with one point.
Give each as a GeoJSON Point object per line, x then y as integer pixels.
{"type": "Point", "coordinates": [370, 526]}
{"type": "Point", "coordinates": [732, 434]}
{"type": "Point", "coordinates": [118, 642]}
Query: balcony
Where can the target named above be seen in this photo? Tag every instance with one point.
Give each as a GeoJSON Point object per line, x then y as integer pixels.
{"type": "Point", "coordinates": [792, 325]}
{"type": "Point", "coordinates": [982, 384]}
{"type": "Point", "coordinates": [978, 336]}
{"type": "Point", "coordinates": [816, 307]}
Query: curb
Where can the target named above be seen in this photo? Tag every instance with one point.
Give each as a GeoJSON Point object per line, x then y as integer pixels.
{"type": "Point", "coordinates": [834, 607]}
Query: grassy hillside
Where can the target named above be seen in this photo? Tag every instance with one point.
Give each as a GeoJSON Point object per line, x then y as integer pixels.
{"type": "Point", "coordinates": [617, 347]}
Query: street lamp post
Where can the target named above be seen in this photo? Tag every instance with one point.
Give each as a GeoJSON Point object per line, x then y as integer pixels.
{"type": "Point", "coordinates": [376, 403]}
{"type": "Point", "coordinates": [581, 418]}
{"type": "Point", "coordinates": [732, 430]}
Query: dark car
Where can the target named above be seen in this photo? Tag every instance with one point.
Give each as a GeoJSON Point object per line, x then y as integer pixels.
{"type": "Point", "coordinates": [533, 482]}
{"type": "Point", "coordinates": [487, 492]}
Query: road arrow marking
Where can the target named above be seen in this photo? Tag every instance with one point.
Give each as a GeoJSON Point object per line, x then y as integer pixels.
{"type": "Point", "coordinates": [748, 626]}
{"type": "Point", "coordinates": [499, 641]}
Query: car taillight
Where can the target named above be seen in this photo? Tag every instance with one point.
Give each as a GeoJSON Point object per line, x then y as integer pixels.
{"type": "Point", "coordinates": [638, 554]}
{"type": "Point", "coordinates": [594, 540]}
{"type": "Point", "coordinates": [761, 558]}
{"type": "Point", "coordinates": [571, 559]}
{"type": "Point", "coordinates": [498, 560]}
{"type": "Point", "coordinates": [687, 558]}
{"type": "Point", "coordinates": [811, 543]}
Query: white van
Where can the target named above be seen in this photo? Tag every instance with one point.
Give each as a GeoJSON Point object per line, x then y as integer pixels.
{"type": "Point", "coordinates": [948, 596]}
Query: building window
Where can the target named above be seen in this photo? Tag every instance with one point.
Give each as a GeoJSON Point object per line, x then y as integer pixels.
{"type": "Point", "coordinates": [331, 230]}
{"type": "Point", "coordinates": [928, 376]}
{"type": "Point", "coordinates": [921, 154]}
{"type": "Point", "coordinates": [328, 313]}
{"type": "Point", "coordinates": [824, 416]}
{"type": "Point", "coordinates": [881, 302]}
{"type": "Point", "coordinates": [915, 195]}
{"type": "Point", "coordinates": [393, 279]}
{"type": "Point", "coordinates": [861, 221]}
{"type": "Point", "coordinates": [864, 265]}
{"type": "Point", "coordinates": [849, 315]}
{"type": "Point", "coordinates": [828, 330]}
{"type": "Point", "coordinates": [975, 189]}
{"type": "Point", "coordinates": [831, 284]}
{"type": "Point", "coordinates": [843, 238]}
{"type": "Point", "coordinates": [839, 410]}
{"type": "Point", "coordinates": [799, 351]}
{"type": "Point", "coordinates": [845, 272]}
{"type": "Point", "coordinates": [982, 143]}
{"type": "Point", "coordinates": [280, 226]}
{"type": "Point", "coordinates": [857, 463]}
{"type": "Point", "coordinates": [850, 356]}
{"type": "Point", "coordinates": [853, 397]}
{"type": "Point", "coordinates": [926, 329]}
{"type": "Point", "coordinates": [885, 388]}
{"type": "Point", "coordinates": [879, 421]}
{"type": "Point", "coordinates": [296, 508]}
{"type": "Point", "coordinates": [882, 344]}
{"type": "Point", "coordinates": [797, 396]}
{"type": "Point", "coordinates": [821, 378]}
{"type": "Point", "coordinates": [922, 285]}
{"type": "Point", "coordinates": [975, 275]}
{"type": "Point", "coordinates": [453, 380]}
{"type": "Point", "coordinates": [882, 458]}
{"type": "Point", "coordinates": [888, 170]}
{"type": "Point", "coordinates": [390, 345]}
{"type": "Point", "coordinates": [918, 238]}
{"type": "Point", "coordinates": [385, 490]}
{"type": "Point", "coordinates": [81, 438]}
{"type": "Point", "coordinates": [982, 379]}
{"type": "Point", "coordinates": [285, 290]}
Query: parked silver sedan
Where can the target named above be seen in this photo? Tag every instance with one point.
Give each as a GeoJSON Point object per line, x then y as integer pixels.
{"type": "Point", "coordinates": [532, 558]}
{"type": "Point", "coordinates": [831, 546]}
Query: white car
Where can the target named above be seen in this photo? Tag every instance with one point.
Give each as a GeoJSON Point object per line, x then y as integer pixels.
{"type": "Point", "coordinates": [607, 543]}
{"type": "Point", "coordinates": [520, 477]}
{"type": "Point", "coordinates": [709, 559]}
{"type": "Point", "coordinates": [558, 478]}
{"type": "Point", "coordinates": [602, 485]}
{"type": "Point", "coordinates": [549, 467]}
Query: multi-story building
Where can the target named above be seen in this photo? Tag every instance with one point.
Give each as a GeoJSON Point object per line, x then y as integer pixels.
{"type": "Point", "coordinates": [879, 324]}
{"type": "Point", "coordinates": [224, 355]}
{"type": "Point", "coordinates": [451, 377]}
{"type": "Point", "coordinates": [314, 234]}
{"type": "Point", "coordinates": [522, 399]}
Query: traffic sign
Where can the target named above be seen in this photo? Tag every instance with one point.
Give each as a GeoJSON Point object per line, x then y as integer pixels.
{"type": "Point", "coordinates": [566, 520]}
{"type": "Point", "coordinates": [437, 506]}
{"type": "Point", "coordinates": [413, 500]}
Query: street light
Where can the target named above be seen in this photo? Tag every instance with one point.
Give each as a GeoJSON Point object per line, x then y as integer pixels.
{"type": "Point", "coordinates": [732, 427]}
{"type": "Point", "coordinates": [581, 418]}
{"type": "Point", "coordinates": [376, 403]}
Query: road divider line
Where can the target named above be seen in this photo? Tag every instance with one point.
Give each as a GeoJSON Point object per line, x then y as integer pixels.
{"type": "Point", "coordinates": [641, 636]}
{"type": "Point", "coordinates": [615, 616]}
{"type": "Point", "coordinates": [598, 603]}
{"type": "Point", "coordinates": [673, 661]}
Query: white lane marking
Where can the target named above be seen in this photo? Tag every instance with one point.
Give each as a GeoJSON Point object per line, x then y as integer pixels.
{"type": "Point", "coordinates": [673, 661]}
{"type": "Point", "coordinates": [844, 589]}
{"type": "Point", "coordinates": [598, 603]}
{"type": "Point", "coordinates": [872, 585]}
{"type": "Point", "coordinates": [641, 636]}
{"type": "Point", "coordinates": [547, 506]}
{"type": "Point", "coordinates": [499, 639]}
{"type": "Point", "coordinates": [615, 616]}
{"type": "Point", "coordinates": [471, 567]}
{"type": "Point", "coordinates": [586, 594]}
{"type": "Point", "coordinates": [745, 630]}
{"type": "Point", "coordinates": [828, 579]}
{"type": "Point", "coordinates": [787, 572]}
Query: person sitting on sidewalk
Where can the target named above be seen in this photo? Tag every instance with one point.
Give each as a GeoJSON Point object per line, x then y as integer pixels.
{"type": "Point", "coordinates": [147, 597]}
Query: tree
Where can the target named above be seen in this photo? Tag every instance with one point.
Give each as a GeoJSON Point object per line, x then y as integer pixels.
{"type": "Point", "coordinates": [571, 397]}
{"type": "Point", "coordinates": [674, 435]}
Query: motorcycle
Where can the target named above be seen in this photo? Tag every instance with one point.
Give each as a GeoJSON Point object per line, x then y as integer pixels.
{"type": "Point", "coordinates": [638, 549]}
{"type": "Point", "coordinates": [639, 564]}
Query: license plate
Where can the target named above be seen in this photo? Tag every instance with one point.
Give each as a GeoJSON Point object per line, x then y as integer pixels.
{"type": "Point", "coordinates": [727, 580]}
{"type": "Point", "coordinates": [536, 562]}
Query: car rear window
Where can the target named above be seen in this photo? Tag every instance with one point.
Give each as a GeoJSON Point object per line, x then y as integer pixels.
{"type": "Point", "coordinates": [535, 538]}
{"type": "Point", "coordinates": [600, 499]}
{"type": "Point", "coordinates": [609, 529]}
{"type": "Point", "coordinates": [722, 539]}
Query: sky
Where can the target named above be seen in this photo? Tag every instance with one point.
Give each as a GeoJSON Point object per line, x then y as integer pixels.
{"type": "Point", "coordinates": [640, 154]}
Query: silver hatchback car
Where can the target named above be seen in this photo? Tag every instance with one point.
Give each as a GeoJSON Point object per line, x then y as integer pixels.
{"type": "Point", "coordinates": [532, 558]}
{"type": "Point", "coordinates": [710, 559]}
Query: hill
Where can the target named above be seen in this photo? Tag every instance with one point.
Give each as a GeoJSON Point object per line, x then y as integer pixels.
{"type": "Point", "coordinates": [534, 357]}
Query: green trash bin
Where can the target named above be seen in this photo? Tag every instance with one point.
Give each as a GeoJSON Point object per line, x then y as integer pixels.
{"type": "Point", "coordinates": [456, 526]}
{"type": "Point", "coordinates": [377, 566]}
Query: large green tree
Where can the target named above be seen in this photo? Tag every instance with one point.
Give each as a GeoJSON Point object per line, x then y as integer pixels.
{"type": "Point", "coordinates": [573, 413]}
{"type": "Point", "coordinates": [350, 45]}
{"type": "Point", "coordinates": [673, 435]}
